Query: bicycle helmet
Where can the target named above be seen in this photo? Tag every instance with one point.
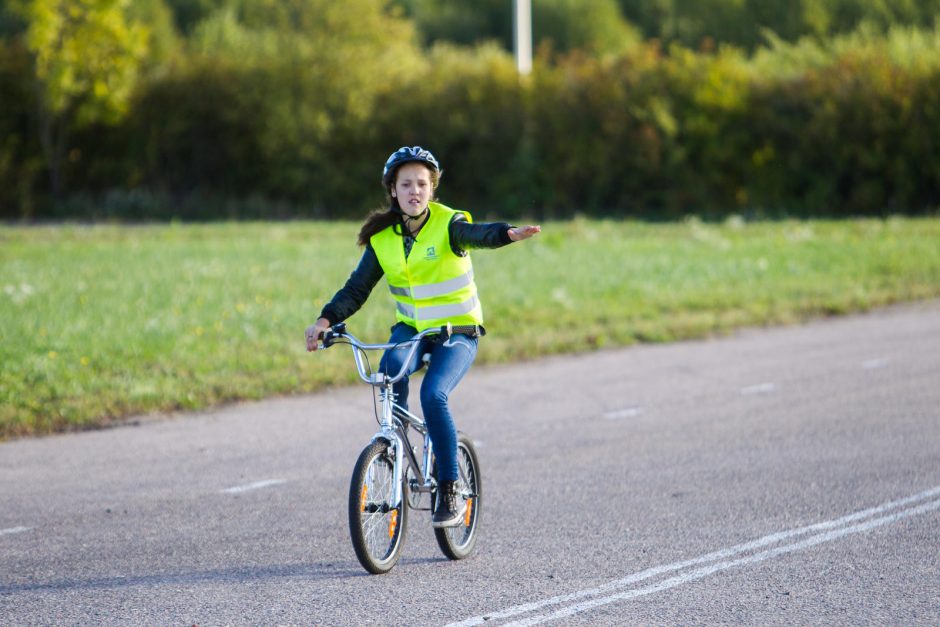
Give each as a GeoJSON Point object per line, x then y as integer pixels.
{"type": "Point", "coordinates": [407, 155]}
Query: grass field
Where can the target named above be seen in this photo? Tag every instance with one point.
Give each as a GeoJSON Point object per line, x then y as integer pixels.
{"type": "Point", "coordinates": [103, 322]}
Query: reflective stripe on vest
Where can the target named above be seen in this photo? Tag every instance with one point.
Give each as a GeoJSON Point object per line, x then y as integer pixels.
{"type": "Point", "coordinates": [433, 285]}
{"type": "Point", "coordinates": [439, 311]}
{"type": "Point", "coordinates": [435, 289]}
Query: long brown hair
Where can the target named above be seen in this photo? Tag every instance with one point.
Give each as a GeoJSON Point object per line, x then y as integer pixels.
{"type": "Point", "coordinates": [378, 221]}
{"type": "Point", "coordinates": [381, 219]}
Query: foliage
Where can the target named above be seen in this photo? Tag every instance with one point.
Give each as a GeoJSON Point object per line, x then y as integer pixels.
{"type": "Point", "coordinates": [707, 24]}
{"type": "Point", "coordinates": [865, 106]}
{"type": "Point", "coordinates": [164, 44]}
{"type": "Point", "coordinates": [188, 14]}
{"type": "Point", "coordinates": [459, 22]}
{"type": "Point", "coordinates": [468, 107]}
{"type": "Point", "coordinates": [696, 24]}
{"type": "Point", "coordinates": [568, 25]}
{"type": "Point", "coordinates": [563, 25]}
{"type": "Point", "coordinates": [85, 55]}
{"type": "Point", "coordinates": [306, 69]}
{"type": "Point", "coordinates": [254, 108]}
{"type": "Point", "coordinates": [20, 164]}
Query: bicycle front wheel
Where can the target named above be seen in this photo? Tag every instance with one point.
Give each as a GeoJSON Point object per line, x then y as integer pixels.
{"type": "Point", "coordinates": [376, 522]}
{"type": "Point", "coordinates": [458, 542]}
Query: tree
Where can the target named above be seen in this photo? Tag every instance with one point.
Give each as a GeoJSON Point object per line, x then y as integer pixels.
{"type": "Point", "coordinates": [746, 23]}
{"type": "Point", "coordinates": [461, 22]}
{"type": "Point", "coordinates": [188, 13]}
{"type": "Point", "coordinates": [86, 55]}
{"type": "Point", "coordinates": [597, 26]}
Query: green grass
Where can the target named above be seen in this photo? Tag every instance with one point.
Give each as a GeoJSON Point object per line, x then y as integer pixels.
{"type": "Point", "coordinates": [103, 322]}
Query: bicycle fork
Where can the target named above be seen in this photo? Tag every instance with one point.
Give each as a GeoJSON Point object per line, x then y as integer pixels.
{"type": "Point", "coordinates": [402, 452]}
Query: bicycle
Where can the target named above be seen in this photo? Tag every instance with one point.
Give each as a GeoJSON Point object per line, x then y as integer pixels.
{"type": "Point", "coordinates": [389, 479]}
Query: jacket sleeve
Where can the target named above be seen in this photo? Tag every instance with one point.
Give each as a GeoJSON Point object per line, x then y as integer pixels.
{"type": "Point", "coordinates": [465, 235]}
{"type": "Point", "coordinates": [353, 295]}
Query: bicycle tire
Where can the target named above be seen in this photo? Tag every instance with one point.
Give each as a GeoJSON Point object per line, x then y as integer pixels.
{"type": "Point", "coordinates": [376, 525]}
{"type": "Point", "coordinates": [458, 542]}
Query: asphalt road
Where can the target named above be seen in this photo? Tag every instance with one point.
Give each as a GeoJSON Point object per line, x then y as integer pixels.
{"type": "Point", "coordinates": [780, 476]}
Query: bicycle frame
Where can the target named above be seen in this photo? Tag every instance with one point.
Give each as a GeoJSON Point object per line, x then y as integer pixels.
{"type": "Point", "coordinates": [394, 419]}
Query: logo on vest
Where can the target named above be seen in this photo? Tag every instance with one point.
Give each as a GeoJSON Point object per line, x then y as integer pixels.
{"type": "Point", "coordinates": [430, 253]}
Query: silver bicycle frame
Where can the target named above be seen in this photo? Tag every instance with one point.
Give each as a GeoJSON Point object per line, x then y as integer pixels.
{"type": "Point", "coordinates": [390, 430]}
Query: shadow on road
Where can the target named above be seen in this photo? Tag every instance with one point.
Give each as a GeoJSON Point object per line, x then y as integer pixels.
{"type": "Point", "coordinates": [320, 571]}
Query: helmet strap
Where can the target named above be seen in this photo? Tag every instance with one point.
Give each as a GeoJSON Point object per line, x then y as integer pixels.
{"type": "Point", "coordinates": [396, 208]}
{"type": "Point", "coordinates": [414, 218]}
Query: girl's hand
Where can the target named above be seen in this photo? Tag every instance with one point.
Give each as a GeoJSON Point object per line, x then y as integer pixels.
{"type": "Point", "coordinates": [313, 333]}
{"type": "Point", "coordinates": [520, 233]}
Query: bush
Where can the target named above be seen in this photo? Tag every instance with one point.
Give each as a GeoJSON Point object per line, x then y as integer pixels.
{"type": "Point", "coordinates": [851, 133]}
{"type": "Point", "coordinates": [604, 133]}
{"type": "Point", "coordinates": [469, 109]}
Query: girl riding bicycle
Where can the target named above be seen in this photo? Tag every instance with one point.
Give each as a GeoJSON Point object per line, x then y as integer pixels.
{"type": "Point", "coordinates": [421, 247]}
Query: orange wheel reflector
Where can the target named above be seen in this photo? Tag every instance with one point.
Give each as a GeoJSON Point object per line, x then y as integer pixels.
{"type": "Point", "coordinates": [393, 523]}
{"type": "Point", "coordinates": [362, 499]}
{"type": "Point", "coordinates": [467, 514]}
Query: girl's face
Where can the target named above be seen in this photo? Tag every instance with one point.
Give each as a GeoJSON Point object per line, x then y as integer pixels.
{"type": "Point", "coordinates": [413, 188]}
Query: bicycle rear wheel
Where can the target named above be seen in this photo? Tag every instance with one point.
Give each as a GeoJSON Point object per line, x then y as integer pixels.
{"type": "Point", "coordinates": [376, 524]}
{"type": "Point", "coordinates": [458, 542]}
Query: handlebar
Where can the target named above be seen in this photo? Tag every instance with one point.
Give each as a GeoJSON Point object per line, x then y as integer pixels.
{"type": "Point", "coordinates": [337, 334]}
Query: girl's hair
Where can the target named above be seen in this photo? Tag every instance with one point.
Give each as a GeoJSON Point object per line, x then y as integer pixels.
{"type": "Point", "coordinates": [378, 221]}
{"type": "Point", "coordinates": [381, 219]}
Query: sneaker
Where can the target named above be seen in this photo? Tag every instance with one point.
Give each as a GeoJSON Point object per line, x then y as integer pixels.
{"type": "Point", "coordinates": [448, 509]}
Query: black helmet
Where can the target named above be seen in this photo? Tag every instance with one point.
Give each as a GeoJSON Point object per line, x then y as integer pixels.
{"type": "Point", "coordinates": [407, 155]}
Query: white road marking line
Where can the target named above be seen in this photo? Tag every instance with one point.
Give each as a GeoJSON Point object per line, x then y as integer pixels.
{"type": "Point", "coordinates": [828, 527]}
{"type": "Point", "coordinates": [872, 364]}
{"type": "Point", "coordinates": [627, 412]}
{"type": "Point", "coordinates": [760, 388]}
{"type": "Point", "coordinates": [714, 568]}
{"type": "Point", "coordinates": [12, 530]}
{"type": "Point", "coordinates": [257, 485]}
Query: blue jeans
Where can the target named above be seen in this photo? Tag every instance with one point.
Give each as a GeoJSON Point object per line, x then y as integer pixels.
{"type": "Point", "coordinates": [450, 361]}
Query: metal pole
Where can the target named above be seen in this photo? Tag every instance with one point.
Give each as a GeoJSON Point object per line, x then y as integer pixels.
{"type": "Point", "coordinates": [522, 34]}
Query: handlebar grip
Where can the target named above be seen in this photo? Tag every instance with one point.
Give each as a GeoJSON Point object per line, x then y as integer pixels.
{"type": "Point", "coordinates": [329, 336]}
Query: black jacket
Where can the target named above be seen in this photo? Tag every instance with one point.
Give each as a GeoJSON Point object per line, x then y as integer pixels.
{"type": "Point", "coordinates": [464, 236]}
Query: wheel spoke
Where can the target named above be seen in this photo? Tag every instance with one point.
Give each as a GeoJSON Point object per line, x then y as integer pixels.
{"type": "Point", "coordinates": [375, 522]}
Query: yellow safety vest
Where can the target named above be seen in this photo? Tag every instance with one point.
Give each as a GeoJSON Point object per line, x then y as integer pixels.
{"type": "Point", "coordinates": [433, 286]}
